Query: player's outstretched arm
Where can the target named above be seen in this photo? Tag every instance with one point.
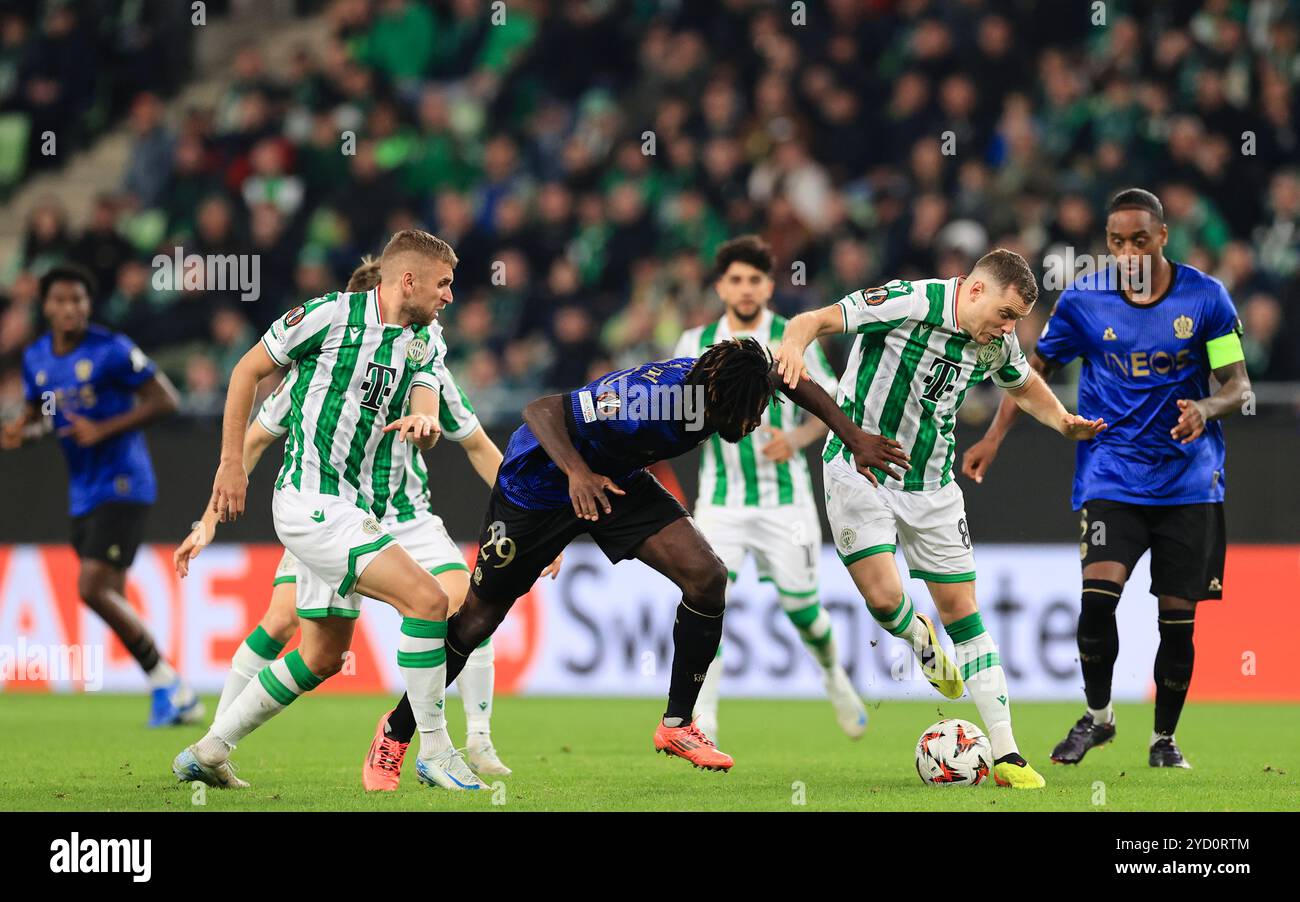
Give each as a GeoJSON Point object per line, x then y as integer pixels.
{"type": "Point", "coordinates": [545, 417]}
{"type": "Point", "coordinates": [1234, 389]}
{"type": "Point", "coordinates": [1041, 403]}
{"type": "Point", "coordinates": [799, 333]}
{"type": "Point", "coordinates": [231, 482]}
{"type": "Point", "coordinates": [977, 459]}
{"type": "Point", "coordinates": [869, 451]}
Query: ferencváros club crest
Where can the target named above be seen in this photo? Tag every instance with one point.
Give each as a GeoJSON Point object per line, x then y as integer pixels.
{"type": "Point", "coordinates": [416, 350]}
{"type": "Point", "coordinates": [989, 353]}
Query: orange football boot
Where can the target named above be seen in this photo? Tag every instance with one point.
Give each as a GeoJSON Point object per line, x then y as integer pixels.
{"type": "Point", "coordinates": [687, 741]}
{"type": "Point", "coordinates": [383, 768]}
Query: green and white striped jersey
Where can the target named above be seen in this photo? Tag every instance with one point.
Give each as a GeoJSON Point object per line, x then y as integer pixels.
{"type": "Point", "coordinates": [455, 415]}
{"type": "Point", "coordinates": [909, 372]}
{"type": "Point", "coordinates": [739, 475]}
{"type": "Point", "coordinates": [354, 376]}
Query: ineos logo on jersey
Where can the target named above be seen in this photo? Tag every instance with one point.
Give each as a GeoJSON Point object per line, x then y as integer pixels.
{"type": "Point", "coordinates": [378, 385]}
{"type": "Point", "coordinates": [943, 375]}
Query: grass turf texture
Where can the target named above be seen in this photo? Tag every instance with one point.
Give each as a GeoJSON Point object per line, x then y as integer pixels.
{"type": "Point", "coordinates": [93, 752]}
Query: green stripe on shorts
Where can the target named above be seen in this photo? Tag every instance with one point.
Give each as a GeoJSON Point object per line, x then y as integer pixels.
{"type": "Point", "coordinates": [865, 552]}
{"type": "Point", "coordinates": [943, 577]}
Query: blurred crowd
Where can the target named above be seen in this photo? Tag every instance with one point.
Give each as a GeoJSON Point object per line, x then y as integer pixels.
{"type": "Point", "coordinates": [585, 158]}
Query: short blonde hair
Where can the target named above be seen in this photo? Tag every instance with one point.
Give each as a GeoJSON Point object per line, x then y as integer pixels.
{"type": "Point", "coordinates": [365, 276]}
{"type": "Point", "coordinates": [420, 242]}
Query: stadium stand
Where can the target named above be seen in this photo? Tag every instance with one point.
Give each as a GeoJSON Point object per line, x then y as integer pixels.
{"type": "Point", "coordinates": [585, 159]}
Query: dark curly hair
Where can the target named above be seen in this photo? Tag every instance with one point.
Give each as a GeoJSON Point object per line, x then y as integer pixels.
{"type": "Point", "coordinates": [737, 385]}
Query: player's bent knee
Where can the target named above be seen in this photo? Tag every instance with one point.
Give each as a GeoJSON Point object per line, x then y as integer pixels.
{"type": "Point", "coordinates": [883, 600]}
{"type": "Point", "coordinates": [427, 601]}
{"type": "Point", "coordinates": [475, 621]}
{"type": "Point", "coordinates": [706, 587]}
{"type": "Point", "coordinates": [323, 666]}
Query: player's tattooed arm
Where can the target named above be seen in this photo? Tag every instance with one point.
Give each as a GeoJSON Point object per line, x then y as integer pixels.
{"type": "Point", "coordinates": [1234, 386]}
{"type": "Point", "coordinates": [587, 490]}
{"type": "Point", "coordinates": [869, 451]}
{"type": "Point", "coordinates": [156, 400]}
{"type": "Point", "coordinates": [977, 459]}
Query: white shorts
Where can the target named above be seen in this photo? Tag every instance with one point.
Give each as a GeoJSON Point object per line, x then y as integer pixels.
{"type": "Point", "coordinates": [334, 541]}
{"type": "Point", "coordinates": [424, 538]}
{"type": "Point", "coordinates": [931, 526]}
{"type": "Point", "coordinates": [785, 542]}
{"type": "Point", "coordinates": [287, 570]}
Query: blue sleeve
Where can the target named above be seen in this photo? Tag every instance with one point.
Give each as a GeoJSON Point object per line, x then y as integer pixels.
{"type": "Point", "coordinates": [1222, 314]}
{"type": "Point", "coordinates": [1059, 342]}
{"type": "Point", "coordinates": [617, 405]}
{"type": "Point", "coordinates": [128, 365]}
{"type": "Point", "coordinates": [31, 391]}
{"type": "Point", "coordinates": [601, 411]}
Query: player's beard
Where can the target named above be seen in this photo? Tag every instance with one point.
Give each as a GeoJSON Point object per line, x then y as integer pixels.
{"type": "Point", "coordinates": [421, 316]}
{"type": "Point", "coordinates": [750, 319]}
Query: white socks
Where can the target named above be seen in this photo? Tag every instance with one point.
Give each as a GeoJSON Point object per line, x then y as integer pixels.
{"type": "Point", "coordinates": [903, 622]}
{"type": "Point", "coordinates": [254, 653]}
{"type": "Point", "coordinates": [1102, 716]}
{"type": "Point", "coordinates": [422, 658]}
{"type": "Point", "coordinates": [707, 701]}
{"type": "Point", "coordinates": [161, 676]}
{"type": "Point", "coordinates": [981, 668]}
{"type": "Point", "coordinates": [276, 687]}
{"type": "Point", "coordinates": [814, 626]}
{"type": "Point", "coordinates": [475, 682]}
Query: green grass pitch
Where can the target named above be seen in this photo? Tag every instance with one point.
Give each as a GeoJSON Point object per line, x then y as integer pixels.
{"type": "Point", "coordinates": [93, 752]}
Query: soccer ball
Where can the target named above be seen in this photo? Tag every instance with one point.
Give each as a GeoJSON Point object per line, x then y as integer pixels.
{"type": "Point", "coordinates": [953, 753]}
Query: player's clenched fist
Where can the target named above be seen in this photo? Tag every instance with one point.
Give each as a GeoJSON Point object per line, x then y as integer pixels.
{"type": "Point", "coordinates": [228, 490]}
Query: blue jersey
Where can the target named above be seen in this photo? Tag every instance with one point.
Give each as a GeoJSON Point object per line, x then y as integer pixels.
{"type": "Point", "coordinates": [96, 380]}
{"type": "Point", "coordinates": [620, 424]}
{"type": "Point", "coordinates": [1138, 362]}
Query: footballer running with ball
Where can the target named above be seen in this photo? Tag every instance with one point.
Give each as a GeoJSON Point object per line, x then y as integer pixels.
{"type": "Point", "coordinates": [920, 347]}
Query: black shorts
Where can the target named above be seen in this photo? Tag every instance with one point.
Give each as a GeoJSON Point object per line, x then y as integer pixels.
{"type": "Point", "coordinates": [1188, 543]}
{"type": "Point", "coordinates": [517, 544]}
{"type": "Point", "coordinates": [110, 533]}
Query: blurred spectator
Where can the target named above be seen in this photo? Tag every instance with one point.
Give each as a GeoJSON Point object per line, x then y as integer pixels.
{"type": "Point", "coordinates": [100, 248]}
{"type": "Point", "coordinates": [151, 150]}
{"type": "Point", "coordinates": [585, 159]}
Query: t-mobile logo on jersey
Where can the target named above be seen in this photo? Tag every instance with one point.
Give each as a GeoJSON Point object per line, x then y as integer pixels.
{"type": "Point", "coordinates": [378, 385]}
{"type": "Point", "coordinates": [942, 377]}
